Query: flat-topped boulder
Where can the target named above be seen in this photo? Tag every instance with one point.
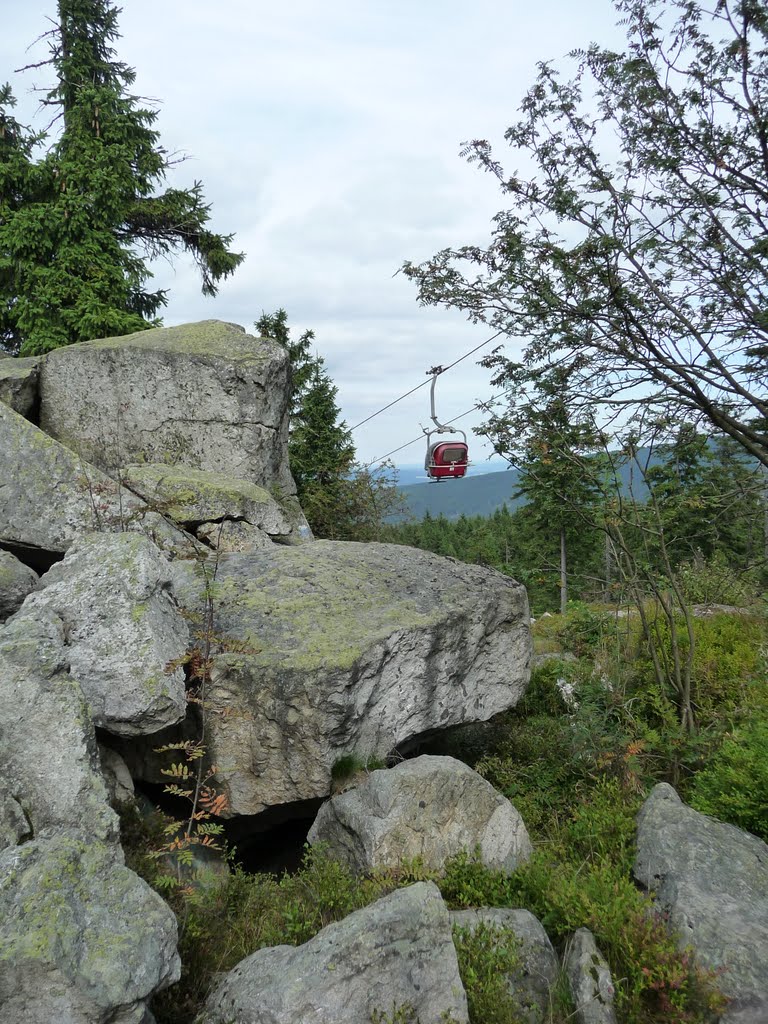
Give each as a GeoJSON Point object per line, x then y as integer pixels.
{"type": "Point", "coordinates": [204, 395]}
{"type": "Point", "coordinates": [333, 648]}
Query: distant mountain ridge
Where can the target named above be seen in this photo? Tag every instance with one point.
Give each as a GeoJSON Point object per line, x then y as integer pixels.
{"type": "Point", "coordinates": [473, 496]}
{"type": "Point", "coordinates": [484, 493]}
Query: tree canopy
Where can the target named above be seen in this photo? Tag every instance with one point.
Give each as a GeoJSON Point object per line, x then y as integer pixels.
{"type": "Point", "coordinates": [634, 253]}
{"type": "Point", "coordinates": [79, 223]}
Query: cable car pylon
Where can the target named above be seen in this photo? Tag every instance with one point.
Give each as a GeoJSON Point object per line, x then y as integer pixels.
{"type": "Point", "coordinates": [445, 460]}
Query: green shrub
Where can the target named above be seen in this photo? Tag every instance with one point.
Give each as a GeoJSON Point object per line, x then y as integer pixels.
{"type": "Point", "coordinates": [734, 787]}
{"type": "Point", "coordinates": [728, 661]}
{"type": "Point", "coordinates": [349, 765]}
{"type": "Point", "coordinates": [584, 630]}
{"type": "Point", "coordinates": [467, 883]}
{"type": "Point", "coordinates": [544, 696]}
{"type": "Point", "coordinates": [220, 926]}
{"type": "Point", "coordinates": [716, 582]}
{"type": "Point", "coordinates": [653, 980]}
{"type": "Point", "coordinates": [487, 956]}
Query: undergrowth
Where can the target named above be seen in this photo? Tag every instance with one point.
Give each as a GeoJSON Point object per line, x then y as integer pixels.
{"type": "Point", "coordinates": [577, 757]}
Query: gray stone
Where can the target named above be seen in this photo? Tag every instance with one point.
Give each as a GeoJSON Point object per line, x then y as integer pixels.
{"type": "Point", "coordinates": [83, 940]}
{"type": "Point", "coordinates": [49, 496]}
{"type": "Point", "coordinates": [712, 880]}
{"type": "Point", "coordinates": [48, 755]}
{"type": "Point", "coordinates": [395, 953]}
{"type": "Point", "coordinates": [123, 628]}
{"type": "Point", "coordinates": [332, 648]}
{"type": "Point", "coordinates": [16, 581]}
{"type": "Point", "coordinates": [204, 395]}
{"type": "Point", "coordinates": [532, 984]}
{"type": "Point", "coordinates": [117, 778]}
{"type": "Point", "coordinates": [589, 979]}
{"type": "Point", "coordinates": [19, 384]}
{"type": "Point", "coordinates": [229, 536]}
{"type": "Point", "coordinates": [431, 808]}
{"type": "Point", "coordinates": [14, 824]}
{"type": "Point", "coordinates": [191, 496]}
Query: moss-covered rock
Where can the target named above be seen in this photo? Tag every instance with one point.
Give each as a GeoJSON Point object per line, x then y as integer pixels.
{"type": "Point", "coordinates": [49, 495]}
{"type": "Point", "coordinates": [83, 940]}
{"type": "Point", "coordinates": [125, 635]}
{"type": "Point", "coordinates": [333, 648]}
{"type": "Point", "coordinates": [192, 496]}
{"type": "Point", "coordinates": [48, 754]}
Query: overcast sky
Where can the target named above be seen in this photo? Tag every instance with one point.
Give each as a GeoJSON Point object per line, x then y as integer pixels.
{"type": "Point", "coordinates": [326, 134]}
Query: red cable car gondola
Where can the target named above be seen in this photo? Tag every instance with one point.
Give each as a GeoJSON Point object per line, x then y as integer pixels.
{"type": "Point", "coordinates": [445, 460]}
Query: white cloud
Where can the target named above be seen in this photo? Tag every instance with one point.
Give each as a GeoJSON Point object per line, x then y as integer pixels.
{"type": "Point", "coordinates": [326, 136]}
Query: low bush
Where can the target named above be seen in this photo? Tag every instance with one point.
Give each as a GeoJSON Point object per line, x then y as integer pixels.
{"type": "Point", "coordinates": [583, 879]}
{"type": "Point", "coordinates": [487, 956]}
{"type": "Point", "coordinates": [220, 925]}
{"type": "Point", "coordinates": [734, 786]}
{"type": "Point", "coordinates": [584, 630]}
{"type": "Point", "coordinates": [714, 581]}
{"type": "Point", "coordinates": [728, 661]}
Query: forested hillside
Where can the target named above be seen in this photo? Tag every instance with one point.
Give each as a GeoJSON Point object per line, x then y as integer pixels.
{"type": "Point", "coordinates": [691, 509]}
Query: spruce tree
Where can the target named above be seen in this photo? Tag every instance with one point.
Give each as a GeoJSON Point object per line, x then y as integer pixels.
{"type": "Point", "coordinates": [17, 185]}
{"type": "Point", "coordinates": [341, 500]}
{"type": "Point", "coordinates": [547, 438]}
{"type": "Point", "coordinates": [88, 216]}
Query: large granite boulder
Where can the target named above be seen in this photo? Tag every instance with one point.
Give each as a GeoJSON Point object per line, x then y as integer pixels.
{"type": "Point", "coordinates": [48, 754]}
{"type": "Point", "coordinates": [16, 582]}
{"type": "Point", "coordinates": [19, 384]}
{"type": "Point", "coordinates": [431, 808]}
{"type": "Point", "coordinates": [712, 881]}
{"type": "Point", "coordinates": [589, 979]}
{"type": "Point", "coordinates": [83, 940]}
{"type": "Point", "coordinates": [49, 495]}
{"type": "Point", "coordinates": [532, 983]}
{"type": "Point", "coordinates": [331, 648]}
{"type": "Point", "coordinates": [393, 954]}
{"type": "Point", "coordinates": [206, 395]}
{"type": "Point", "coordinates": [123, 629]}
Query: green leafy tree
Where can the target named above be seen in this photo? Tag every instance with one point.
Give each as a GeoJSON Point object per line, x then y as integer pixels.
{"type": "Point", "coordinates": [635, 253]}
{"type": "Point", "coordinates": [85, 219]}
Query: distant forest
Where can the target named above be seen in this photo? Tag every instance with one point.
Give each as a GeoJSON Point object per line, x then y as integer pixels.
{"type": "Point", "coordinates": [692, 513]}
